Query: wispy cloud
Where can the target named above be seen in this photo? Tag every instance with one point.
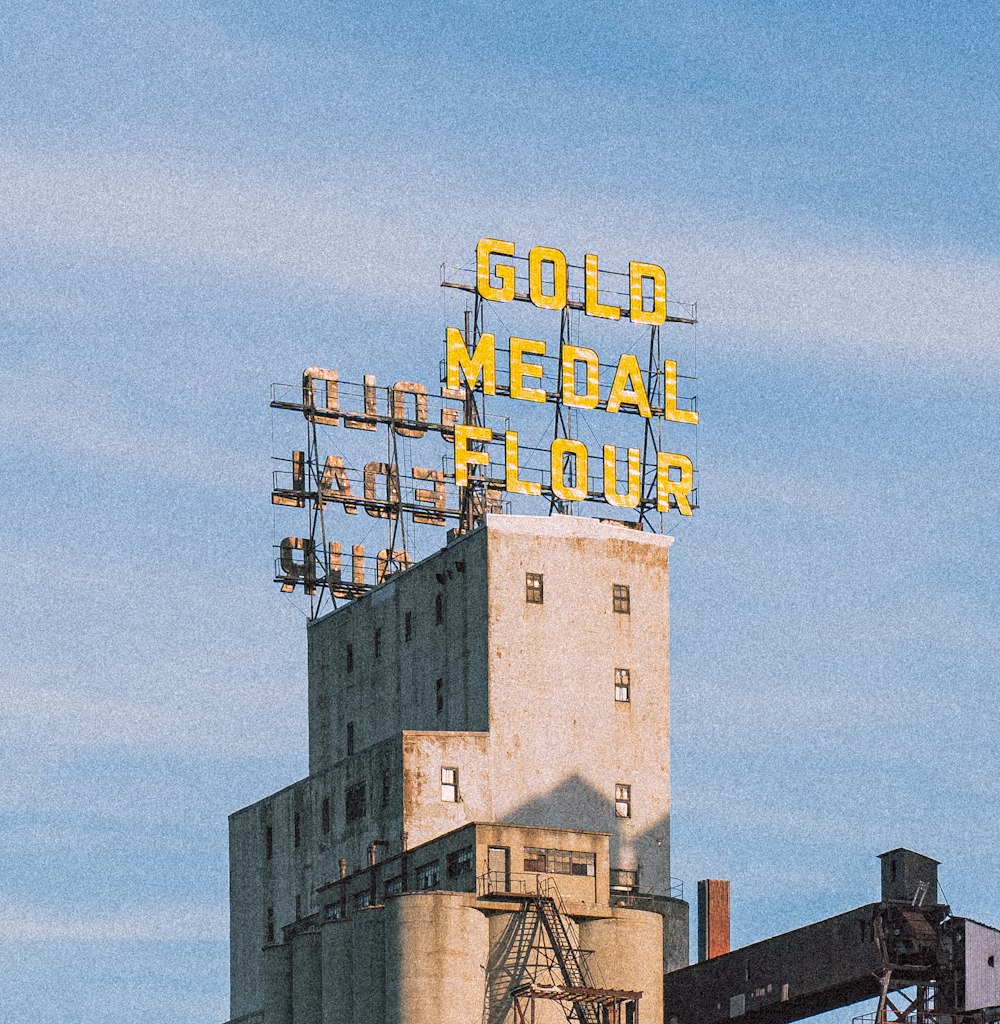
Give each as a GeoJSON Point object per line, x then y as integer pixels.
{"type": "Point", "coordinates": [809, 288]}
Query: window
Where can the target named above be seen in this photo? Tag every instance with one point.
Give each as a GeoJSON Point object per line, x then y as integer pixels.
{"type": "Point", "coordinates": [325, 815]}
{"type": "Point", "coordinates": [333, 912]}
{"type": "Point", "coordinates": [427, 876]}
{"type": "Point", "coordinates": [620, 599]}
{"type": "Point", "coordinates": [439, 694]}
{"type": "Point", "coordinates": [298, 906]}
{"type": "Point", "coordinates": [269, 926]}
{"type": "Point", "coordinates": [297, 829]}
{"type": "Point", "coordinates": [355, 802]}
{"type": "Point", "coordinates": [362, 899]}
{"type": "Point", "coordinates": [378, 643]}
{"type": "Point", "coordinates": [559, 862]}
{"type": "Point", "coordinates": [623, 684]}
{"type": "Point", "coordinates": [624, 879]}
{"type": "Point", "coordinates": [449, 785]}
{"type": "Point", "coordinates": [350, 658]}
{"type": "Point", "coordinates": [439, 609]}
{"type": "Point", "coordinates": [623, 800]}
{"type": "Point", "coordinates": [350, 738]}
{"type": "Point", "coordinates": [408, 626]}
{"type": "Point", "coordinates": [534, 859]}
{"type": "Point", "coordinates": [394, 886]}
{"type": "Point", "coordinates": [460, 862]}
{"type": "Point", "coordinates": [533, 593]}
{"type": "Point", "coordinates": [269, 842]}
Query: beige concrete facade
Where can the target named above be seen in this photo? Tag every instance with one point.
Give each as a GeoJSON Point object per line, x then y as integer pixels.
{"type": "Point", "coordinates": [448, 715]}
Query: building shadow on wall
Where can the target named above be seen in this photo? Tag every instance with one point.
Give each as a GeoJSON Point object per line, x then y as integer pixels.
{"type": "Point", "coordinates": [575, 804]}
{"type": "Point", "coordinates": [508, 966]}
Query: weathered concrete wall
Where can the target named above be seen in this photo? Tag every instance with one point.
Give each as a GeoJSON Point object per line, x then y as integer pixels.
{"type": "Point", "coordinates": [392, 683]}
{"type": "Point", "coordinates": [277, 985]}
{"type": "Point", "coordinates": [559, 740]}
{"type": "Point", "coordinates": [425, 814]}
{"type": "Point", "coordinates": [628, 949]}
{"type": "Point", "coordinates": [439, 945]}
{"type": "Point", "coordinates": [307, 978]}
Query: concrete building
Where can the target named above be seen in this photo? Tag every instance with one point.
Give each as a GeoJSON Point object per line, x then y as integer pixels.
{"type": "Point", "coordinates": [488, 795]}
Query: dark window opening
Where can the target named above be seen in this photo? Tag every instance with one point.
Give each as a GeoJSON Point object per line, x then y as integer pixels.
{"type": "Point", "coordinates": [439, 609]}
{"type": "Point", "coordinates": [298, 907]}
{"type": "Point", "coordinates": [385, 789]}
{"type": "Point", "coordinates": [533, 588]}
{"type": "Point", "coordinates": [269, 842]}
{"type": "Point", "coordinates": [269, 926]}
{"type": "Point", "coordinates": [408, 626]}
{"type": "Point", "coordinates": [621, 600]}
{"type": "Point", "coordinates": [460, 862]}
{"type": "Point", "coordinates": [378, 643]}
{"type": "Point", "coordinates": [350, 658]}
{"type": "Point", "coordinates": [325, 814]}
{"type": "Point", "coordinates": [297, 829]}
{"type": "Point", "coordinates": [354, 802]}
{"type": "Point", "coordinates": [559, 862]}
{"type": "Point", "coordinates": [892, 870]}
{"type": "Point", "coordinates": [350, 738]}
{"type": "Point", "coordinates": [622, 878]}
{"type": "Point", "coordinates": [439, 694]}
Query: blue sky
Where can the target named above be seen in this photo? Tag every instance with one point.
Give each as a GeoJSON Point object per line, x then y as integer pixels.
{"type": "Point", "coordinates": [203, 198]}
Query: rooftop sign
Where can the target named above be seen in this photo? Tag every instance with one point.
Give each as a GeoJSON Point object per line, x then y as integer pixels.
{"type": "Point", "coordinates": [487, 465]}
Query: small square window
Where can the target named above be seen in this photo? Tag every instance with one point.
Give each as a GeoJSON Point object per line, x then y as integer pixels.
{"type": "Point", "coordinates": [623, 685]}
{"type": "Point", "coordinates": [439, 695]}
{"type": "Point", "coordinates": [623, 800]}
{"type": "Point", "coordinates": [350, 658]}
{"type": "Point", "coordinates": [408, 626]}
{"type": "Point", "coordinates": [449, 785]}
{"type": "Point", "coordinates": [533, 592]}
{"type": "Point", "coordinates": [621, 601]}
{"type": "Point", "coordinates": [378, 643]}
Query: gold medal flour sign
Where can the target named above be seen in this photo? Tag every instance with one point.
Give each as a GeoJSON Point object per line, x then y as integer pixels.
{"type": "Point", "coordinates": [487, 463]}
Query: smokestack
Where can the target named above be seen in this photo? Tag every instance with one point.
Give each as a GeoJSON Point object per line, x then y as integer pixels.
{"type": "Point", "coordinates": [713, 918]}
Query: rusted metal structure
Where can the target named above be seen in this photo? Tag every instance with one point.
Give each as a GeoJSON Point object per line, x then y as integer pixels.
{"type": "Point", "coordinates": [923, 966]}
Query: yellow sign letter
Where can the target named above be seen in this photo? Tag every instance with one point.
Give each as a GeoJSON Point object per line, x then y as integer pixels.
{"type": "Point", "coordinates": [572, 355]}
{"type": "Point", "coordinates": [562, 448]}
{"type": "Point", "coordinates": [464, 457]}
{"type": "Point", "coordinates": [537, 257]}
{"type": "Point", "coordinates": [482, 361]}
{"type": "Point", "coordinates": [591, 300]}
{"type": "Point", "coordinates": [514, 482]}
{"type": "Point", "coordinates": [630, 499]}
{"type": "Point", "coordinates": [519, 369]}
{"type": "Point", "coordinates": [486, 248]}
{"type": "Point", "coordinates": [666, 488]}
{"type": "Point", "coordinates": [637, 273]}
{"type": "Point", "coordinates": [628, 387]}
